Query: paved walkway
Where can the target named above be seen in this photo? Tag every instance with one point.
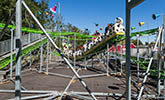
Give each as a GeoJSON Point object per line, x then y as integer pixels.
{"type": "Point", "coordinates": [33, 80]}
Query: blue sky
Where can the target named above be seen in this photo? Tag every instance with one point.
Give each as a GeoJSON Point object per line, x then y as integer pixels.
{"type": "Point", "coordinates": [84, 13]}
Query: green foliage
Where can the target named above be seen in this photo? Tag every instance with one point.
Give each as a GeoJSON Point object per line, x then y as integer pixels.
{"type": "Point", "coordinates": [7, 8]}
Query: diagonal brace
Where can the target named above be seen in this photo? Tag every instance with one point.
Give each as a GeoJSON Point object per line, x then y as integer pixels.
{"type": "Point", "coordinates": [59, 51]}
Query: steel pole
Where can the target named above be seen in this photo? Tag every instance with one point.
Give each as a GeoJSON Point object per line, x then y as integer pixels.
{"type": "Point", "coordinates": [69, 84]}
{"type": "Point", "coordinates": [128, 62]}
{"type": "Point", "coordinates": [29, 40]}
{"type": "Point", "coordinates": [148, 49]}
{"type": "Point", "coordinates": [121, 71]}
{"type": "Point", "coordinates": [159, 64]}
{"type": "Point", "coordinates": [47, 56]}
{"type": "Point", "coordinates": [11, 54]}
{"type": "Point", "coordinates": [107, 58]}
{"type": "Point", "coordinates": [164, 54]}
{"type": "Point", "coordinates": [74, 50]}
{"type": "Point", "coordinates": [138, 56]}
{"type": "Point", "coordinates": [41, 54]}
{"type": "Point", "coordinates": [149, 65]}
{"type": "Point", "coordinates": [18, 50]}
{"type": "Point", "coordinates": [115, 57]}
{"type": "Point", "coordinates": [50, 53]}
{"type": "Point", "coordinates": [59, 51]}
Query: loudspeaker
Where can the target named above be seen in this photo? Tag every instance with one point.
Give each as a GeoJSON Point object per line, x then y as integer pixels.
{"type": "Point", "coordinates": [154, 16]}
{"type": "Point", "coordinates": [141, 23]}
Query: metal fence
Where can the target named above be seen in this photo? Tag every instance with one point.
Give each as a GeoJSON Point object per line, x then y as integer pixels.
{"type": "Point", "coordinates": [5, 46]}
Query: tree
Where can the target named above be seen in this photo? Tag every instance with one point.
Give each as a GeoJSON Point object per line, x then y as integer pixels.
{"type": "Point", "coordinates": [7, 13]}
{"type": "Point", "coordinates": [7, 9]}
{"type": "Point", "coordinates": [68, 27]}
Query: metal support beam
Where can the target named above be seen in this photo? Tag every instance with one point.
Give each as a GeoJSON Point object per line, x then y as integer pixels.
{"type": "Point", "coordinates": [11, 54]}
{"type": "Point", "coordinates": [129, 5]}
{"type": "Point", "coordinates": [138, 58]}
{"type": "Point", "coordinates": [79, 93]}
{"type": "Point", "coordinates": [69, 84]}
{"type": "Point", "coordinates": [41, 54]}
{"type": "Point", "coordinates": [81, 97]}
{"type": "Point", "coordinates": [74, 51]}
{"type": "Point", "coordinates": [134, 3]}
{"type": "Point", "coordinates": [107, 59]}
{"type": "Point", "coordinates": [115, 57]}
{"type": "Point", "coordinates": [52, 97]}
{"type": "Point", "coordinates": [34, 97]}
{"type": "Point", "coordinates": [159, 64]}
{"type": "Point", "coordinates": [149, 65]}
{"type": "Point", "coordinates": [60, 75]}
{"type": "Point", "coordinates": [29, 91]}
{"type": "Point", "coordinates": [128, 62]}
{"type": "Point", "coordinates": [95, 75]}
{"type": "Point", "coordinates": [29, 41]}
{"type": "Point", "coordinates": [50, 53]}
{"type": "Point", "coordinates": [164, 54]}
{"type": "Point", "coordinates": [22, 88]}
{"type": "Point", "coordinates": [59, 51]}
{"type": "Point", "coordinates": [18, 49]}
{"type": "Point", "coordinates": [104, 66]}
{"type": "Point", "coordinates": [47, 56]}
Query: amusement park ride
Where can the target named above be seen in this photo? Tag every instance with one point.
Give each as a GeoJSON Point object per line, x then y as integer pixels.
{"type": "Point", "coordinates": [94, 48]}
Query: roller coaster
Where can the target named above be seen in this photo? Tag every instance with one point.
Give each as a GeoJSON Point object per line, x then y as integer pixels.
{"type": "Point", "coordinates": [96, 44]}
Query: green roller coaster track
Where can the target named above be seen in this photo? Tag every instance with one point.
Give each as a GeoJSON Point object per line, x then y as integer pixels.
{"type": "Point", "coordinates": [34, 31]}
{"type": "Point", "coordinates": [6, 61]}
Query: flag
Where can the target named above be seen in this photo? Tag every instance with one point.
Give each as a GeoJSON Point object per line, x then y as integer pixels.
{"type": "Point", "coordinates": [53, 9]}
